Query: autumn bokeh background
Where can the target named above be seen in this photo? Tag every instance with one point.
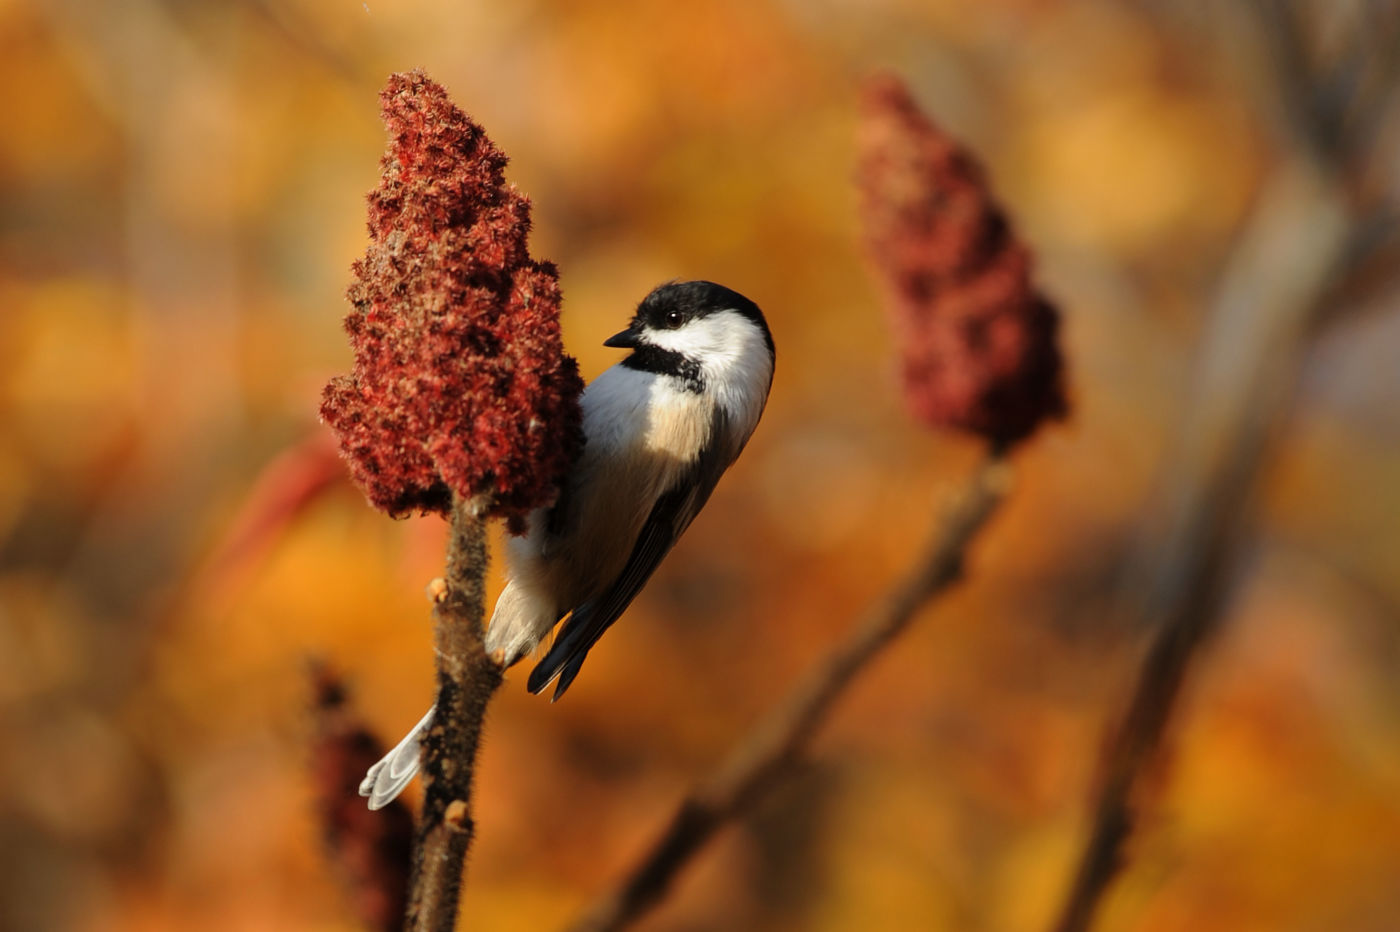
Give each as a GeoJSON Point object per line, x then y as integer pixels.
{"type": "Point", "coordinates": [182, 191]}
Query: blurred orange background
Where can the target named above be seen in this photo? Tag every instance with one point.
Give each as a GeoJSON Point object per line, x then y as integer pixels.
{"type": "Point", "coordinates": [182, 191]}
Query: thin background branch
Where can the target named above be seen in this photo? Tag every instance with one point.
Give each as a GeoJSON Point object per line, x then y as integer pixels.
{"type": "Point", "coordinates": [1306, 236]}
{"type": "Point", "coordinates": [765, 757]}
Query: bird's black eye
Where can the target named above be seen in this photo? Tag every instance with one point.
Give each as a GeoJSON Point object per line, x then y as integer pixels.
{"type": "Point", "coordinates": [673, 318]}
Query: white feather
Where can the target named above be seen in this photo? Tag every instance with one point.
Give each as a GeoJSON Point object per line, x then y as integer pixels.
{"type": "Point", "coordinates": [386, 779]}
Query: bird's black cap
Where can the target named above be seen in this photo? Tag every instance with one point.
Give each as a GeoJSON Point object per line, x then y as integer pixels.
{"type": "Point", "coordinates": [672, 304]}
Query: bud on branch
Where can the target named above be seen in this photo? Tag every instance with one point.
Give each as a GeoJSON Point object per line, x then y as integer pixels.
{"type": "Point", "coordinates": [978, 341]}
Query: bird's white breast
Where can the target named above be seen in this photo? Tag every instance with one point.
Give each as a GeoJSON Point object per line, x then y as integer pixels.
{"type": "Point", "coordinates": [630, 414]}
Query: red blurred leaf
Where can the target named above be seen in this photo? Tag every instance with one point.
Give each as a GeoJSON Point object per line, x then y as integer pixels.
{"type": "Point", "coordinates": [369, 850]}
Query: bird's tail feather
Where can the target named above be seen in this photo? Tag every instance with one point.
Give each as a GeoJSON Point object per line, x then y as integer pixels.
{"type": "Point", "coordinates": [386, 779]}
{"type": "Point", "coordinates": [565, 656]}
{"type": "Point", "coordinates": [566, 676]}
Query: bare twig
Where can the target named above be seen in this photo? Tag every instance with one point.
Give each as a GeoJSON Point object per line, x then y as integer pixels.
{"type": "Point", "coordinates": [1277, 281]}
{"type": "Point", "coordinates": [1303, 249]}
{"type": "Point", "coordinates": [467, 679]}
{"type": "Point", "coordinates": [767, 754]}
{"type": "Point", "coordinates": [1335, 105]}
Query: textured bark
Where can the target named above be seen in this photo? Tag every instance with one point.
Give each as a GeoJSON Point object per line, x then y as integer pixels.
{"type": "Point", "coordinates": [467, 679]}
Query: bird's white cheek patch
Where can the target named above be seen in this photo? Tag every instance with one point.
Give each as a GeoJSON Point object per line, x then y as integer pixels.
{"type": "Point", "coordinates": [718, 334]}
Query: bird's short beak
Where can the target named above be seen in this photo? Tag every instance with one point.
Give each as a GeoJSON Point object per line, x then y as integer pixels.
{"type": "Point", "coordinates": [626, 339]}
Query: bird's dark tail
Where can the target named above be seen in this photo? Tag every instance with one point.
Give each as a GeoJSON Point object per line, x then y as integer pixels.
{"type": "Point", "coordinates": [565, 658]}
{"type": "Point", "coordinates": [566, 676]}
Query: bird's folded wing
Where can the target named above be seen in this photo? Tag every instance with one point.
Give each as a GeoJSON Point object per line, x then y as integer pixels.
{"type": "Point", "coordinates": [669, 518]}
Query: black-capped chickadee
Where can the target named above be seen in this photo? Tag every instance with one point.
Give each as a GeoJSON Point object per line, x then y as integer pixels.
{"type": "Point", "coordinates": [661, 427]}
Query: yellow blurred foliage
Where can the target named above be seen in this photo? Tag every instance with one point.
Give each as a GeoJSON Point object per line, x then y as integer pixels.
{"type": "Point", "coordinates": [182, 196]}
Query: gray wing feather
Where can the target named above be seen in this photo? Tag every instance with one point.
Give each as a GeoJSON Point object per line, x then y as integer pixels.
{"type": "Point", "coordinates": [669, 518]}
